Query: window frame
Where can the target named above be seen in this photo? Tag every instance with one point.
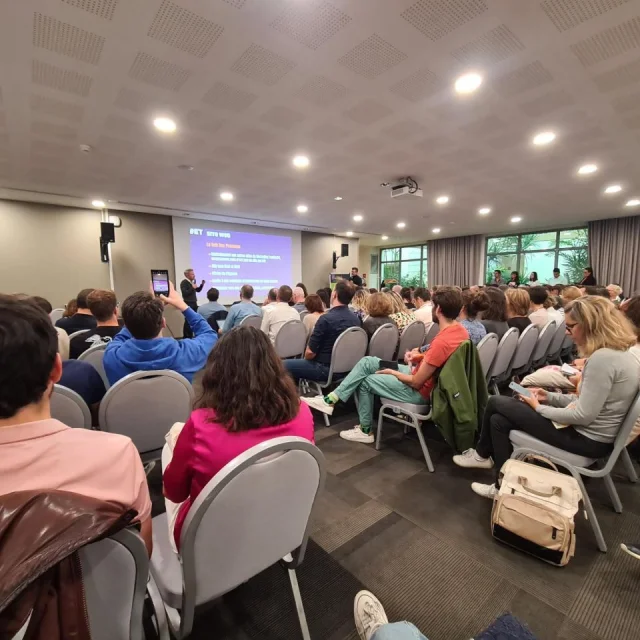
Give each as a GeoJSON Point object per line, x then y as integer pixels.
{"type": "Point", "coordinates": [422, 260]}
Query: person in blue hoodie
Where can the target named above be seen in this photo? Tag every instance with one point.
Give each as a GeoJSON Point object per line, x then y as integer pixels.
{"type": "Point", "coordinates": [141, 347]}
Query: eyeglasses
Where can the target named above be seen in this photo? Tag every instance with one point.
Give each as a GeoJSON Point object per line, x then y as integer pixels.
{"type": "Point", "coordinates": [570, 326]}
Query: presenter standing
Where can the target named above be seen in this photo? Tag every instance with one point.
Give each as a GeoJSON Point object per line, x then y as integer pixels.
{"type": "Point", "coordinates": [189, 289]}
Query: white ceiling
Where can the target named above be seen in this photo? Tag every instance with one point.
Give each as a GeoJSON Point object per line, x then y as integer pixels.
{"type": "Point", "coordinates": [363, 87]}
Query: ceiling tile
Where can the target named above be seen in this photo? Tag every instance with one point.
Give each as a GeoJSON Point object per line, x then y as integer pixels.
{"type": "Point", "coordinates": [619, 78]}
{"type": "Point", "coordinates": [321, 91]}
{"type": "Point", "coordinates": [57, 108]}
{"type": "Point", "coordinates": [523, 79]}
{"type": "Point", "coordinates": [224, 96]}
{"type": "Point", "coordinates": [262, 65]}
{"type": "Point", "coordinates": [547, 103]}
{"type": "Point", "coordinates": [437, 18]}
{"type": "Point", "coordinates": [367, 112]}
{"type": "Point", "coordinates": [418, 86]}
{"type": "Point", "coordinates": [53, 130]}
{"type": "Point", "coordinates": [282, 117]}
{"type": "Point", "coordinates": [372, 57]}
{"type": "Point", "coordinates": [48, 75]}
{"type": "Point", "coordinates": [204, 121]}
{"type": "Point", "coordinates": [494, 46]}
{"type": "Point", "coordinates": [159, 73]}
{"type": "Point", "coordinates": [608, 43]}
{"type": "Point", "coordinates": [66, 39]}
{"type": "Point", "coordinates": [238, 4]}
{"type": "Point", "coordinates": [101, 8]}
{"type": "Point", "coordinates": [329, 133]}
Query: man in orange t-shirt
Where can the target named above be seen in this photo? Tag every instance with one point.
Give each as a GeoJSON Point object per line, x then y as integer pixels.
{"type": "Point", "coordinates": [412, 384]}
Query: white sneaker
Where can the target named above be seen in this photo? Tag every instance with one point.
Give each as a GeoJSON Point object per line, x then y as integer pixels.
{"type": "Point", "coordinates": [317, 402]}
{"type": "Point", "coordinates": [368, 613]}
{"type": "Point", "coordinates": [357, 435]}
{"type": "Point", "coordinates": [471, 460]}
{"type": "Point", "coordinates": [485, 490]}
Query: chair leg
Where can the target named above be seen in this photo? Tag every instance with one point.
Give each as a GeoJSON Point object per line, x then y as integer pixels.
{"type": "Point", "coordinates": [496, 390]}
{"type": "Point", "coordinates": [162, 624]}
{"type": "Point", "coordinates": [628, 465]}
{"type": "Point", "coordinates": [591, 514]}
{"type": "Point", "coordinates": [423, 444]}
{"type": "Point", "coordinates": [299, 606]}
{"type": "Point", "coordinates": [379, 431]}
{"type": "Point", "coordinates": [613, 493]}
{"type": "Point", "coordinates": [327, 422]}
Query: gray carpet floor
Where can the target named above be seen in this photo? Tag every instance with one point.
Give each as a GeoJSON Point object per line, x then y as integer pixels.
{"type": "Point", "coordinates": [421, 542]}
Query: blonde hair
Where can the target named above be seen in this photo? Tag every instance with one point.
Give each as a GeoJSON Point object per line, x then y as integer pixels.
{"type": "Point", "coordinates": [397, 303]}
{"type": "Point", "coordinates": [359, 300]}
{"type": "Point", "coordinates": [602, 324]}
{"type": "Point", "coordinates": [518, 302]}
{"type": "Point", "coordinates": [379, 305]}
{"type": "Point", "coordinates": [570, 293]}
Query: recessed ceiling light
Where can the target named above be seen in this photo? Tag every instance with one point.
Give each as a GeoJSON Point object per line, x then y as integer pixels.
{"type": "Point", "coordinates": [442, 199]}
{"type": "Point", "coordinates": [468, 83]}
{"type": "Point", "coordinates": [634, 202]}
{"type": "Point", "coordinates": [613, 188]}
{"type": "Point", "coordinates": [384, 238]}
{"type": "Point", "coordinates": [586, 169]}
{"type": "Point", "coordinates": [436, 230]}
{"type": "Point", "coordinates": [98, 203]}
{"type": "Point", "coordinates": [358, 218]}
{"type": "Point", "coordinates": [302, 208]}
{"type": "Point", "coordinates": [300, 162]}
{"type": "Point", "coordinates": [483, 211]}
{"type": "Point", "coordinates": [401, 225]}
{"type": "Point", "coordinates": [227, 196]}
{"type": "Point", "coordinates": [516, 219]}
{"type": "Point", "coordinates": [166, 125]}
{"type": "Point", "coordinates": [544, 137]}
{"type": "Point", "coordinates": [338, 198]}
{"type": "Point", "coordinates": [349, 233]}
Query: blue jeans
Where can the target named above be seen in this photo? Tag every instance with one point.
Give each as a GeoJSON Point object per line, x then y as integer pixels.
{"type": "Point", "coordinates": [307, 369]}
{"type": "Point", "coordinates": [398, 631]}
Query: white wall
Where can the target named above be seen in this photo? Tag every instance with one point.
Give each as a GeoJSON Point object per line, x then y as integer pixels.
{"type": "Point", "coordinates": [317, 252]}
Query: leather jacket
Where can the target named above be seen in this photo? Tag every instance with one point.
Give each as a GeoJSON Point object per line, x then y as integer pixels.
{"type": "Point", "coordinates": [40, 574]}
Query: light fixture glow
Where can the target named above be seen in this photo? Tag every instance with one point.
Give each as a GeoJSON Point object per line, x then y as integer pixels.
{"type": "Point", "coordinates": [544, 137]}
{"type": "Point", "coordinates": [338, 198]}
{"type": "Point", "coordinates": [384, 238]}
{"type": "Point", "coordinates": [302, 208]}
{"type": "Point", "coordinates": [358, 218]}
{"type": "Point", "coordinates": [586, 169]}
{"type": "Point", "coordinates": [300, 162]}
{"type": "Point", "coordinates": [227, 196]}
{"type": "Point", "coordinates": [349, 233]}
{"type": "Point", "coordinates": [634, 202]}
{"type": "Point", "coordinates": [442, 199]}
{"type": "Point", "coordinates": [166, 125]}
{"type": "Point", "coordinates": [613, 188]}
{"type": "Point", "coordinates": [468, 83]}
{"type": "Point", "coordinates": [401, 225]}
{"type": "Point", "coordinates": [483, 211]}
{"type": "Point", "coordinates": [98, 203]}
{"type": "Point", "coordinates": [515, 219]}
{"type": "Point", "coordinates": [436, 230]}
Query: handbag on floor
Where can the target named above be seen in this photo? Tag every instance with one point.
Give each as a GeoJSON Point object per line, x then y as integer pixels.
{"type": "Point", "coordinates": [534, 510]}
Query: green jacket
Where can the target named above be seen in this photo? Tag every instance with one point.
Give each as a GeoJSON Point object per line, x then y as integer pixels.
{"type": "Point", "coordinates": [459, 398]}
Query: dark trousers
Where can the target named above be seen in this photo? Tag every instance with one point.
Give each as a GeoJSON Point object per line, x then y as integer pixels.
{"type": "Point", "coordinates": [307, 369]}
{"type": "Point", "coordinates": [186, 330]}
{"type": "Point", "coordinates": [506, 414]}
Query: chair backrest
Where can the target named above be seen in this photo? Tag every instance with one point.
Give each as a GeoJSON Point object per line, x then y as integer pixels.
{"type": "Point", "coordinates": [384, 342]}
{"type": "Point", "coordinates": [633, 415]}
{"type": "Point", "coordinates": [251, 321]}
{"type": "Point", "coordinates": [555, 346]}
{"type": "Point", "coordinates": [75, 334]}
{"type": "Point", "coordinates": [487, 350]}
{"type": "Point", "coordinates": [291, 340]}
{"type": "Point", "coordinates": [411, 337]}
{"type": "Point", "coordinates": [348, 350]}
{"type": "Point", "coordinates": [431, 333]}
{"type": "Point", "coordinates": [303, 314]}
{"type": "Point", "coordinates": [524, 349]}
{"type": "Point", "coordinates": [250, 515]}
{"type": "Point", "coordinates": [544, 341]}
{"type": "Point", "coordinates": [95, 356]}
{"type": "Point", "coordinates": [56, 314]}
{"type": "Point", "coordinates": [114, 575]}
{"type": "Point", "coordinates": [69, 407]}
{"type": "Point", "coordinates": [145, 405]}
{"type": "Point", "coordinates": [504, 356]}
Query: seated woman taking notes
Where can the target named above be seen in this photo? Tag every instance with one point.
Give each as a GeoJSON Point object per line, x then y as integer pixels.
{"type": "Point", "coordinates": [247, 398]}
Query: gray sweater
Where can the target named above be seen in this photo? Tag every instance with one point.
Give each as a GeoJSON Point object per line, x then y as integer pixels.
{"type": "Point", "coordinates": [610, 382]}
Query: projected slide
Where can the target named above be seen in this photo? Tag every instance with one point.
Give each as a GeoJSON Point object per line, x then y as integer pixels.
{"type": "Point", "coordinates": [228, 259]}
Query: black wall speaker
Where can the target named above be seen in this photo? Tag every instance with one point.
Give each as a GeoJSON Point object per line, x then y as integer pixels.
{"type": "Point", "coordinates": [107, 232]}
{"type": "Point", "coordinates": [344, 251]}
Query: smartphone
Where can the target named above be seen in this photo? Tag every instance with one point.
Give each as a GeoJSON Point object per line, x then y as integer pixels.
{"type": "Point", "coordinates": [520, 389]}
{"type": "Point", "coordinates": [160, 281]}
{"type": "Point", "coordinates": [388, 364]}
{"type": "Point", "coordinates": [568, 370]}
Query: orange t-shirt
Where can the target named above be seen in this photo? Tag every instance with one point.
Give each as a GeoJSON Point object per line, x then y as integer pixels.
{"type": "Point", "coordinates": [441, 347]}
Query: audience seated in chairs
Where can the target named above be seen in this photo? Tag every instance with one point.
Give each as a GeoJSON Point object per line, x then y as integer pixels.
{"type": "Point", "coordinates": [298, 298]}
{"type": "Point", "coordinates": [329, 326]}
{"type": "Point", "coordinates": [359, 303]}
{"type": "Point", "coordinates": [423, 306]}
{"type": "Point", "coordinates": [538, 313]}
{"type": "Point", "coordinates": [378, 313]}
{"type": "Point", "coordinates": [494, 318]}
{"type": "Point", "coordinates": [518, 303]}
{"type": "Point", "coordinates": [63, 336]}
{"type": "Point", "coordinates": [473, 305]}
{"type": "Point", "coordinates": [104, 307]}
{"type": "Point", "coordinates": [325, 296]}
{"type": "Point", "coordinates": [401, 316]}
{"type": "Point", "coordinates": [141, 347]}
{"type": "Point", "coordinates": [246, 399]}
{"type": "Point", "coordinates": [207, 309]}
{"type": "Point", "coordinates": [82, 317]}
{"type": "Point", "coordinates": [412, 384]}
{"type": "Point", "coordinates": [314, 305]}
{"type": "Point", "coordinates": [407, 297]}
{"type": "Point", "coordinates": [39, 453]}
{"type": "Point", "coordinates": [282, 312]}
{"type": "Point", "coordinates": [240, 310]}
{"type": "Point", "coordinates": [592, 418]}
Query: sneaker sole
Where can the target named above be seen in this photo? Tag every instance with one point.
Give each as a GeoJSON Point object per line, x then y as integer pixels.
{"type": "Point", "coordinates": [360, 441]}
{"type": "Point", "coordinates": [473, 466]}
{"type": "Point", "coordinates": [328, 409]}
{"type": "Point", "coordinates": [631, 553]}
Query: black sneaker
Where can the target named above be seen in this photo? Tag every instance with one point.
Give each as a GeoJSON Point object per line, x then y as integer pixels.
{"type": "Point", "coordinates": [633, 549]}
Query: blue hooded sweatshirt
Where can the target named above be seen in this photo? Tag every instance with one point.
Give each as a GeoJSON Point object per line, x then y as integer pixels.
{"type": "Point", "coordinates": [126, 354]}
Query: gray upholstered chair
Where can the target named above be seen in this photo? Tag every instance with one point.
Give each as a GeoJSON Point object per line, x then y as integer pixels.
{"type": "Point", "coordinates": [94, 356]}
{"type": "Point", "coordinates": [411, 337]}
{"type": "Point", "coordinates": [55, 315]}
{"type": "Point", "coordinates": [521, 362]}
{"type": "Point", "coordinates": [68, 407]}
{"type": "Point", "coordinates": [303, 314]}
{"type": "Point", "coordinates": [555, 348]}
{"type": "Point", "coordinates": [291, 340]}
{"type": "Point", "coordinates": [251, 321]}
{"type": "Point", "coordinates": [253, 513]}
{"type": "Point", "coordinates": [431, 332]}
{"type": "Point", "coordinates": [539, 355]}
{"type": "Point", "coordinates": [487, 350]}
{"type": "Point", "coordinates": [501, 366]}
{"type": "Point", "coordinates": [384, 342]}
{"type": "Point", "coordinates": [75, 334]}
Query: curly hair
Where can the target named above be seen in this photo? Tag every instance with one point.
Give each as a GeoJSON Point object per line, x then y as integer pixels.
{"type": "Point", "coordinates": [245, 383]}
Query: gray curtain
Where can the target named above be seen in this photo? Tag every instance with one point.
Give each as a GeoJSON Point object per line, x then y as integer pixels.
{"type": "Point", "coordinates": [456, 261]}
{"type": "Point", "coordinates": [614, 251]}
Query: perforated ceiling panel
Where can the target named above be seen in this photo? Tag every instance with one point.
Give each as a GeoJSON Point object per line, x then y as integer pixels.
{"type": "Point", "coordinates": [133, 101]}
{"type": "Point", "coordinates": [608, 43]}
{"type": "Point", "coordinates": [523, 79]}
{"type": "Point", "coordinates": [372, 57]}
{"type": "Point", "coordinates": [101, 8]}
{"type": "Point", "coordinates": [619, 77]}
{"type": "Point", "coordinates": [437, 18]}
{"type": "Point", "coordinates": [64, 38]}
{"type": "Point", "coordinates": [238, 4]}
{"type": "Point", "coordinates": [53, 130]}
{"type": "Point", "coordinates": [48, 75]}
{"type": "Point", "coordinates": [311, 23]}
{"type": "Point", "coordinates": [282, 117]}
{"type": "Point", "coordinates": [418, 86]}
{"type": "Point", "coordinates": [496, 45]}
{"type": "Point", "coordinates": [566, 14]}
{"type": "Point", "coordinates": [223, 96]}
{"type": "Point", "coordinates": [367, 112]}
{"type": "Point", "coordinates": [547, 103]}
{"type": "Point", "coordinates": [263, 65]}
{"type": "Point", "coordinates": [184, 29]}
{"type": "Point", "coordinates": [60, 109]}
{"type": "Point", "coordinates": [321, 91]}
{"type": "Point", "coordinates": [159, 73]}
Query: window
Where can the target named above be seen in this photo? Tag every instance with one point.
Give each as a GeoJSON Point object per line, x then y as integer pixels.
{"type": "Point", "coordinates": [540, 253]}
{"type": "Point", "coordinates": [406, 265]}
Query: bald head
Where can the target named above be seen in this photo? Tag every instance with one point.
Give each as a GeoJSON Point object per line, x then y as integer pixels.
{"type": "Point", "coordinates": [397, 289]}
{"type": "Point", "coordinates": [298, 295]}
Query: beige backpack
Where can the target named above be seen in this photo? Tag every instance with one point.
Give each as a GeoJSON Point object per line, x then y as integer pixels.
{"type": "Point", "coordinates": [534, 510]}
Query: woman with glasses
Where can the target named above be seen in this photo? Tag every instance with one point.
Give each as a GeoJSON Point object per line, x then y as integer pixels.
{"type": "Point", "coordinates": [585, 423]}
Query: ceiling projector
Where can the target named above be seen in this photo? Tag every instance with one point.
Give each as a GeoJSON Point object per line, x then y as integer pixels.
{"type": "Point", "coordinates": [404, 187]}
